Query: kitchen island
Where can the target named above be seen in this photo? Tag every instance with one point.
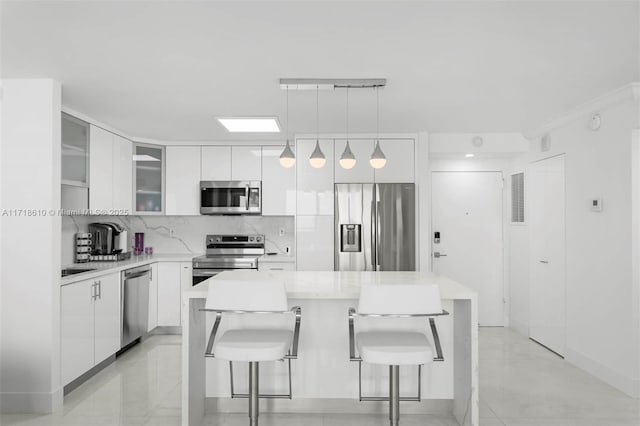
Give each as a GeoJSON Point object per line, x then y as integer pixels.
{"type": "Point", "coordinates": [323, 378]}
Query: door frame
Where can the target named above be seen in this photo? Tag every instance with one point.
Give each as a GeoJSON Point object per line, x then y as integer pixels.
{"type": "Point", "coordinates": [503, 232]}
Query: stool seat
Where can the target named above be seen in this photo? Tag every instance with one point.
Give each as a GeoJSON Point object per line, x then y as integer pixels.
{"type": "Point", "coordinates": [253, 345]}
{"type": "Point", "coordinates": [391, 347]}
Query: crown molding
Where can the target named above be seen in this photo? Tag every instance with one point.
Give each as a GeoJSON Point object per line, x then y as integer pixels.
{"type": "Point", "coordinates": [628, 92]}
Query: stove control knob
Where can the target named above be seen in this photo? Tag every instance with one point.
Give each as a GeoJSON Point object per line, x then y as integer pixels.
{"type": "Point", "coordinates": [251, 239]}
{"type": "Point", "coordinates": [258, 239]}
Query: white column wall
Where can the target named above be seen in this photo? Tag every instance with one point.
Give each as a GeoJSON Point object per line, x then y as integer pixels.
{"type": "Point", "coordinates": [601, 308]}
{"type": "Point", "coordinates": [30, 246]}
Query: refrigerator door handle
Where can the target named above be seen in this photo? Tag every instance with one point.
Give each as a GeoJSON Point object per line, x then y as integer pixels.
{"type": "Point", "coordinates": [374, 244]}
{"type": "Point", "coordinates": [378, 233]}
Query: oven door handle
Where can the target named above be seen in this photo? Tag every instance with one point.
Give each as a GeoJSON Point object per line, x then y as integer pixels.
{"type": "Point", "coordinates": [206, 272]}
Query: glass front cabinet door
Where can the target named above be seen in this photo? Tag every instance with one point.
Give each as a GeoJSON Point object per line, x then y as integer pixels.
{"type": "Point", "coordinates": [148, 163]}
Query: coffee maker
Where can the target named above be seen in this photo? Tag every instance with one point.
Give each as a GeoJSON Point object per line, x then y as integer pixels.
{"type": "Point", "coordinates": [108, 238]}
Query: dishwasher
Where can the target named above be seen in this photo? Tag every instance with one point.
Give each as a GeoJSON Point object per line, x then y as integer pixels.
{"type": "Point", "coordinates": [134, 305]}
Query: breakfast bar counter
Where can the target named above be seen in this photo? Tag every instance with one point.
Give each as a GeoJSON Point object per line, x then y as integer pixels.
{"type": "Point", "coordinates": [323, 379]}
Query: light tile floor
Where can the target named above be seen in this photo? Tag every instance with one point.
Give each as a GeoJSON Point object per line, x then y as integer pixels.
{"type": "Point", "coordinates": [521, 384]}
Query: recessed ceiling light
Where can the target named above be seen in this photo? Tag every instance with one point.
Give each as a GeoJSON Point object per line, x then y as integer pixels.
{"type": "Point", "coordinates": [469, 155]}
{"type": "Point", "coordinates": [250, 124]}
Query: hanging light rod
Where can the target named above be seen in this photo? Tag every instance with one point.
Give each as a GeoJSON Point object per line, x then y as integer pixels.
{"type": "Point", "coordinates": [331, 83]}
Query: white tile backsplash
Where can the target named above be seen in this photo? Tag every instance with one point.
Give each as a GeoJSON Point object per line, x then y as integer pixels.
{"type": "Point", "coordinates": [185, 234]}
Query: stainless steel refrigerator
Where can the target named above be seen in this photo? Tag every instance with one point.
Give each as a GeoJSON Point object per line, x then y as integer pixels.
{"type": "Point", "coordinates": [375, 227]}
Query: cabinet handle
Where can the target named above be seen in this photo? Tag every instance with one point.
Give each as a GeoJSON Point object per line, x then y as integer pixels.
{"type": "Point", "coordinates": [150, 274]}
{"type": "Point", "coordinates": [93, 291]}
{"type": "Point", "coordinates": [99, 295]}
{"type": "Point", "coordinates": [277, 269]}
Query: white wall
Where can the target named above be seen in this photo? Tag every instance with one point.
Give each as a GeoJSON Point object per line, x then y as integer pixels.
{"type": "Point", "coordinates": [30, 275]}
{"type": "Point", "coordinates": [601, 318]}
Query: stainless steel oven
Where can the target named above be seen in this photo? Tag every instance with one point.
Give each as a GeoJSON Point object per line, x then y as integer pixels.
{"type": "Point", "coordinates": [228, 253]}
{"type": "Point", "coordinates": [230, 197]}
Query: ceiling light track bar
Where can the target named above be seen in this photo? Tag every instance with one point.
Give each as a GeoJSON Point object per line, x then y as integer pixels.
{"type": "Point", "coordinates": [331, 83]}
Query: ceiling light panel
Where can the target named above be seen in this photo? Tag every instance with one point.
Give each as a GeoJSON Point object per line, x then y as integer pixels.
{"type": "Point", "coordinates": [250, 124]}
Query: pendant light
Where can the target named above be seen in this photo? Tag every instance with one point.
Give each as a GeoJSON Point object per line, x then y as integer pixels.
{"type": "Point", "coordinates": [377, 160]}
{"type": "Point", "coordinates": [287, 158]}
{"type": "Point", "coordinates": [347, 159]}
{"type": "Point", "coordinates": [317, 158]}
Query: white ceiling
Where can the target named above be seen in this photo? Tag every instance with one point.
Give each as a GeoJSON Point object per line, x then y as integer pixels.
{"type": "Point", "coordinates": [163, 69]}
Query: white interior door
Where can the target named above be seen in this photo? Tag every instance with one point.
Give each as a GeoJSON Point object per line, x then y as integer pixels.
{"type": "Point", "coordinates": [546, 202]}
{"type": "Point", "coordinates": [467, 214]}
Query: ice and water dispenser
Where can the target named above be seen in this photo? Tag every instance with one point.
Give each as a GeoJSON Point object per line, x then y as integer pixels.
{"type": "Point", "coordinates": [350, 237]}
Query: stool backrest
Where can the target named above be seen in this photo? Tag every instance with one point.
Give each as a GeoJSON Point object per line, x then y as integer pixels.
{"type": "Point", "coordinates": [242, 295]}
{"type": "Point", "coordinates": [400, 299]}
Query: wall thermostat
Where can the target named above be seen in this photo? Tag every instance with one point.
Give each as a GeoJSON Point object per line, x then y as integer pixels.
{"type": "Point", "coordinates": [596, 204]}
{"type": "Point", "coordinates": [595, 122]}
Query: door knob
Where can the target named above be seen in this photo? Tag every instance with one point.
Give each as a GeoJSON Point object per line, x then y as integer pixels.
{"type": "Point", "coordinates": [437, 254]}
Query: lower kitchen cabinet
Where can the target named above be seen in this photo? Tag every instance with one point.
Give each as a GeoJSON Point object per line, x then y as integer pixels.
{"type": "Point", "coordinates": [173, 277]}
{"type": "Point", "coordinates": [152, 321]}
{"type": "Point", "coordinates": [107, 317]}
{"type": "Point", "coordinates": [89, 324]}
{"type": "Point", "coordinates": [276, 266]}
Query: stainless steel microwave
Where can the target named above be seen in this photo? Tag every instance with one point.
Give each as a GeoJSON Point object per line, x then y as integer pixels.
{"type": "Point", "coordinates": [230, 197]}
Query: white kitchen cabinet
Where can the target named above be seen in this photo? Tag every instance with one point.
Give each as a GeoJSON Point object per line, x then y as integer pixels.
{"type": "Point", "coordinates": [314, 246]}
{"type": "Point", "coordinates": [215, 163]}
{"type": "Point", "coordinates": [169, 293]}
{"type": "Point", "coordinates": [76, 329]}
{"type": "Point", "coordinates": [152, 321]}
{"type": "Point", "coordinates": [246, 163]}
{"type": "Point", "coordinates": [362, 172]}
{"type": "Point", "coordinates": [110, 171]}
{"type": "Point", "coordinates": [315, 186]}
{"type": "Point", "coordinates": [89, 324]}
{"type": "Point", "coordinates": [183, 180]}
{"type": "Point", "coordinates": [276, 266]}
{"type": "Point", "coordinates": [400, 167]}
{"type": "Point", "coordinates": [122, 174]}
{"type": "Point", "coordinates": [149, 178]}
{"type": "Point", "coordinates": [100, 169]}
{"type": "Point", "coordinates": [107, 317]}
{"type": "Point", "coordinates": [186, 276]}
{"type": "Point", "coordinates": [278, 184]}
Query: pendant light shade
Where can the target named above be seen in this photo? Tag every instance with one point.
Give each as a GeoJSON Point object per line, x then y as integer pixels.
{"type": "Point", "coordinates": [317, 158]}
{"type": "Point", "coordinates": [347, 159]}
{"type": "Point", "coordinates": [287, 158]}
{"type": "Point", "coordinates": [378, 160]}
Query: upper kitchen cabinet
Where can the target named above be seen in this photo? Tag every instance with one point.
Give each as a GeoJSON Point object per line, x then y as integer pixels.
{"type": "Point", "coordinates": [400, 161]}
{"type": "Point", "coordinates": [75, 163]}
{"type": "Point", "coordinates": [315, 186]}
{"type": "Point", "coordinates": [183, 180]}
{"type": "Point", "coordinates": [362, 172]}
{"type": "Point", "coordinates": [122, 174]}
{"type": "Point", "coordinates": [231, 163]}
{"type": "Point", "coordinates": [101, 170]}
{"type": "Point", "coordinates": [110, 172]}
{"type": "Point", "coordinates": [215, 163]}
{"type": "Point", "coordinates": [75, 151]}
{"type": "Point", "coordinates": [149, 163]}
{"type": "Point", "coordinates": [278, 184]}
{"type": "Point", "coordinates": [246, 163]}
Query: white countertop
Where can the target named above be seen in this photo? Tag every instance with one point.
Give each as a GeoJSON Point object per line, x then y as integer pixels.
{"type": "Point", "coordinates": [103, 268]}
{"type": "Point", "coordinates": [339, 285]}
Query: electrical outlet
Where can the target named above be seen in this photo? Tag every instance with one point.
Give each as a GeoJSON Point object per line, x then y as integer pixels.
{"type": "Point", "coordinates": [287, 250]}
{"type": "Point", "coordinates": [281, 232]}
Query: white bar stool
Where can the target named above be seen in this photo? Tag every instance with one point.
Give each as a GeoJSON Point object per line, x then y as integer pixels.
{"type": "Point", "coordinates": [396, 347]}
{"type": "Point", "coordinates": [252, 345]}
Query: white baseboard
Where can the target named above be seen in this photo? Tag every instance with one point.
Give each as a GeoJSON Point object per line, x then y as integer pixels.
{"type": "Point", "coordinates": [30, 403]}
{"type": "Point", "coordinates": [519, 327]}
{"type": "Point", "coordinates": [619, 381]}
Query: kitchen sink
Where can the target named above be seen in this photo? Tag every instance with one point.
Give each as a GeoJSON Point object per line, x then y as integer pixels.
{"type": "Point", "coordinates": [72, 271]}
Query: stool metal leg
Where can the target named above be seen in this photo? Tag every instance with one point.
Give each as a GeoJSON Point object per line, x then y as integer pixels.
{"type": "Point", "coordinates": [254, 393]}
{"type": "Point", "coordinates": [394, 395]}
